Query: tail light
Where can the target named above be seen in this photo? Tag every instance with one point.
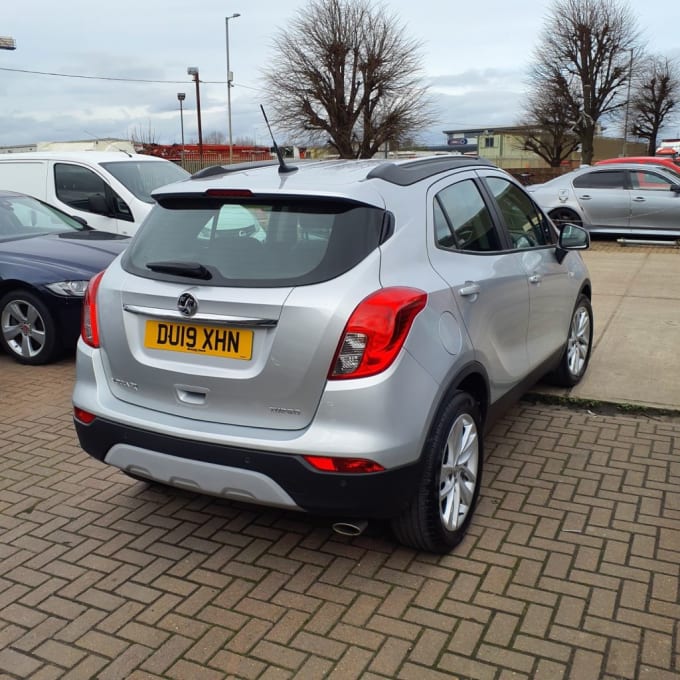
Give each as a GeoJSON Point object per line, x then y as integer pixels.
{"type": "Point", "coordinates": [375, 332]}
{"type": "Point", "coordinates": [89, 327]}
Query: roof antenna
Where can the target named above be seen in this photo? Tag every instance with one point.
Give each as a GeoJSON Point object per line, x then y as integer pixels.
{"type": "Point", "coordinates": [283, 168]}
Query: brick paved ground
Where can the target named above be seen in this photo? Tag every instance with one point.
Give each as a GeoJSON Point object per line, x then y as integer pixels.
{"type": "Point", "coordinates": [571, 569]}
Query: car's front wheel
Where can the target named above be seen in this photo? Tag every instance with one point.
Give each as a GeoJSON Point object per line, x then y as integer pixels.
{"type": "Point", "coordinates": [28, 332]}
{"type": "Point", "coordinates": [442, 508]}
{"type": "Point", "coordinates": [576, 355]}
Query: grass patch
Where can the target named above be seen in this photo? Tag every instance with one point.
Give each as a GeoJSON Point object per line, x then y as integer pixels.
{"type": "Point", "coordinates": [598, 407]}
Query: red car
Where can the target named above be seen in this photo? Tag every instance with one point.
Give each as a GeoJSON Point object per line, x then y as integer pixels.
{"type": "Point", "coordinates": [665, 162]}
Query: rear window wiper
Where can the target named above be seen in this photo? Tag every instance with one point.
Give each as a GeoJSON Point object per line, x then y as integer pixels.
{"type": "Point", "coordinates": [193, 270]}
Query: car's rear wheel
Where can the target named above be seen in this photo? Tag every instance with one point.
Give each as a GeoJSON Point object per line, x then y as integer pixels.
{"type": "Point", "coordinates": [442, 508]}
{"type": "Point", "coordinates": [576, 355]}
{"type": "Point", "coordinates": [28, 332]}
{"type": "Point", "coordinates": [562, 216]}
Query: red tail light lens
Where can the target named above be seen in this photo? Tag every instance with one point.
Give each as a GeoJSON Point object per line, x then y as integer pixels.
{"type": "Point", "coordinates": [344, 465]}
{"type": "Point", "coordinates": [89, 327]}
{"type": "Point", "coordinates": [83, 416]}
{"type": "Point", "coordinates": [376, 331]}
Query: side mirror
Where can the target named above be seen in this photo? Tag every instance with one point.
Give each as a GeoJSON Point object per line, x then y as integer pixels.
{"type": "Point", "coordinates": [97, 204]}
{"type": "Point", "coordinates": [571, 237]}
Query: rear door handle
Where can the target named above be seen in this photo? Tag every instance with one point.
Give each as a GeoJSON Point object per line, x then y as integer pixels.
{"type": "Point", "coordinates": [639, 199]}
{"type": "Point", "coordinates": [535, 278]}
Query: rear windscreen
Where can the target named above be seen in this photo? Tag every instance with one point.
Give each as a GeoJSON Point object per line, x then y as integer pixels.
{"type": "Point", "coordinates": [265, 244]}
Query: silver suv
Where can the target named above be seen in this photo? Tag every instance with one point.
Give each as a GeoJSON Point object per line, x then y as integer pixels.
{"type": "Point", "coordinates": [338, 344]}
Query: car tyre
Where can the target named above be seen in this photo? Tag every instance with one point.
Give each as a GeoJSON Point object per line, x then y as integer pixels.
{"type": "Point", "coordinates": [562, 216]}
{"type": "Point", "coordinates": [28, 332]}
{"type": "Point", "coordinates": [442, 508]}
{"type": "Point", "coordinates": [574, 361]}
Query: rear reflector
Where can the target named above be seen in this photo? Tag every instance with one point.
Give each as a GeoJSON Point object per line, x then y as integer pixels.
{"type": "Point", "coordinates": [344, 465]}
{"type": "Point", "coordinates": [83, 416]}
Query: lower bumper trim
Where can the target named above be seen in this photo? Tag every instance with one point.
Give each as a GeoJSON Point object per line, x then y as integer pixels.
{"type": "Point", "coordinates": [259, 476]}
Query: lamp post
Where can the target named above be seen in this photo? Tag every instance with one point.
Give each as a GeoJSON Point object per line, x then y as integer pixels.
{"type": "Point", "coordinates": [193, 71]}
{"type": "Point", "coordinates": [181, 96]}
{"type": "Point", "coordinates": [230, 77]}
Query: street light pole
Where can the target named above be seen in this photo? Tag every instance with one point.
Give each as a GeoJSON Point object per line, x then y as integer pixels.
{"type": "Point", "coordinates": [230, 77]}
{"type": "Point", "coordinates": [181, 96]}
{"type": "Point", "coordinates": [193, 71]}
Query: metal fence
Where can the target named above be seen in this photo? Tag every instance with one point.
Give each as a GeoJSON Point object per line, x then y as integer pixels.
{"type": "Point", "coordinates": [192, 161]}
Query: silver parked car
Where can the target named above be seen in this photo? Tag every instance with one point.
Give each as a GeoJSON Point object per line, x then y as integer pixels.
{"type": "Point", "coordinates": [346, 363]}
{"type": "Point", "coordinates": [622, 198]}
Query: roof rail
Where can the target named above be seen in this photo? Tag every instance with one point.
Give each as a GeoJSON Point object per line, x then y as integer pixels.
{"type": "Point", "coordinates": [214, 170]}
{"type": "Point", "coordinates": [412, 171]}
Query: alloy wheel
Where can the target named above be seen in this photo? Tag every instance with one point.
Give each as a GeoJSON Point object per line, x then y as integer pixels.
{"type": "Point", "coordinates": [23, 328]}
{"type": "Point", "coordinates": [578, 344]}
{"type": "Point", "coordinates": [459, 470]}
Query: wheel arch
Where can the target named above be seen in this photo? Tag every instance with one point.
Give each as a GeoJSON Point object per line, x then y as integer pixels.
{"type": "Point", "coordinates": [17, 285]}
{"type": "Point", "coordinates": [472, 379]}
{"type": "Point", "coordinates": [7, 285]}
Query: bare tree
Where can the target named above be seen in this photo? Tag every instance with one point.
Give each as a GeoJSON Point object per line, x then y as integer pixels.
{"type": "Point", "coordinates": [549, 124]}
{"type": "Point", "coordinates": [585, 51]}
{"type": "Point", "coordinates": [214, 137]}
{"type": "Point", "coordinates": [655, 96]}
{"type": "Point", "coordinates": [346, 74]}
{"type": "Point", "coordinates": [140, 137]}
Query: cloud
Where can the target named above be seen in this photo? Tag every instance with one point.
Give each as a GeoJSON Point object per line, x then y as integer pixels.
{"type": "Point", "coordinates": [475, 64]}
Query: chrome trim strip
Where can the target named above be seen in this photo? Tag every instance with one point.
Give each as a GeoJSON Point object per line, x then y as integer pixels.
{"type": "Point", "coordinates": [215, 319]}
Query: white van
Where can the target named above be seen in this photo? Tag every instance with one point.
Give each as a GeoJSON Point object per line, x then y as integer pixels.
{"type": "Point", "coordinates": [111, 190]}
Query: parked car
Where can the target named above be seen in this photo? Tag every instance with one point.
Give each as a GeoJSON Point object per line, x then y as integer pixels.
{"type": "Point", "coordinates": [348, 363]}
{"type": "Point", "coordinates": [624, 198]}
{"type": "Point", "coordinates": [668, 163]}
{"type": "Point", "coordinates": [109, 189]}
{"type": "Point", "coordinates": [46, 260]}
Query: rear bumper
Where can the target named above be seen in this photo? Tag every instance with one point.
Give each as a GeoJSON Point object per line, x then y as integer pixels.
{"type": "Point", "coordinates": [257, 476]}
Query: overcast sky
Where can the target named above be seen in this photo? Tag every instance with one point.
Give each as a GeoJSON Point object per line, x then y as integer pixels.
{"type": "Point", "coordinates": [476, 56]}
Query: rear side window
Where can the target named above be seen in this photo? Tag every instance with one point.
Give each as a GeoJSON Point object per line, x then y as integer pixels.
{"type": "Point", "coordinates": [601, 179]}
{"type": "Point", "coordinates": [254, 244]}
{"type": "Point", "coordinates": [650, 181]}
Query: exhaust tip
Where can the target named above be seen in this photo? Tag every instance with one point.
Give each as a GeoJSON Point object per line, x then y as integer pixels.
{"type": "Point", "coordinates": [350, 528]}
